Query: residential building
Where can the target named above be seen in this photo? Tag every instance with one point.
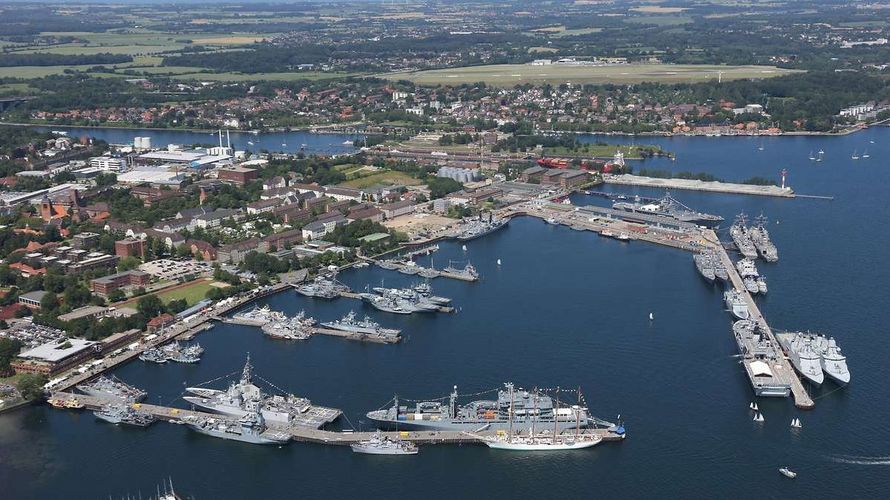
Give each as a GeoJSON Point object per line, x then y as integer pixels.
{"type": "Point", "coordinates": [130, 247]}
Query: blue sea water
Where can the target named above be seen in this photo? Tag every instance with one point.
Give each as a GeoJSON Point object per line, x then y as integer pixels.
{"type": "Point", "coordinates": [564, 308]}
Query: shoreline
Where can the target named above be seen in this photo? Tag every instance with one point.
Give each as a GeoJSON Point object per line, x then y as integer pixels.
{"type": "Point", "coordinates": [278, 130]}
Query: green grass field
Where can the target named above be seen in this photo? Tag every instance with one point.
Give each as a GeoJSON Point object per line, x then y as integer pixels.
{"type": "Point", "coordinates": [388, 177]}
{"type": "Point", "coordinates": [598, 150]}
{"type": "Point", "coordinates": [192, 294]}
{"type": "Point", "coordinates": [515, 74]}
{"type": "Point", "coordinates": [27, 72]}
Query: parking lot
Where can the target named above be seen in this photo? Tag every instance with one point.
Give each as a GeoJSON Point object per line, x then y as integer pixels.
{"type": "Point", "coordinates": [175, 270]}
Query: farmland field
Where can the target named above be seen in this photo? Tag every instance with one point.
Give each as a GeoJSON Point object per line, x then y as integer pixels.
{"type": "Point", "coordinates": [515, 74]}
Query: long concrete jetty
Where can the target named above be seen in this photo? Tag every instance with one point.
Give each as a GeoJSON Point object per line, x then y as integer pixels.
{"type": "Point", "coordinates": [309, 434]}
{"type": "Point", "coordinates": [697, 185]}
{"type": "Point", "coordinates": [784, 369]}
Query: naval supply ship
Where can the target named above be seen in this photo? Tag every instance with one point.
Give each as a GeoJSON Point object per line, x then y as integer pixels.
{"type": "Point", "coordinates": [379, 444]}
{"type": "Point", "coordinates": [124, 414]}
{"type": "Point", "coordinates": [705, 266]}
{"type": "Point", "coordinates": [760, 357]}
{"type": "Point", "coordinates": [529, 409]}
{"type": "Point", "coordinates": [668, 207]}
{"type": "Point", "coordinates": [739, 234]}
{"type": "Point", "coordinates": [349, 323]}
{"type": "Point", "coordinates": [831, 361]}
{"type": "Point", "coordinates": [112, 388]}
{"type": "Point", "coordinates": [244, 397]}
{"type": "Point", "coordinates": [479, 228]}
{"type": "Point", "coordinates": [760, 237]}
{"type": "Point", "coordinates": [249, 428]}
{"type": "Point", "coordinates": [736, 304]}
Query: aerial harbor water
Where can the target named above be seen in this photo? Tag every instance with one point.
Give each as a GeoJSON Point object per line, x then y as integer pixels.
{"type": "Point", "coordinates": [563, 308]}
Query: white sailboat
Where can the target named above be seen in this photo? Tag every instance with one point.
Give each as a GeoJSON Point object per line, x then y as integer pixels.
{"type": "Point", "coordinates": [865, 155]}
{"type": "Point", "coordinates": [760, 148]}
{"type": "Point", "coordinates": [812, 156]}
{"type": "Point", "coordinates": [543, 441]}
{"type": "Point", "coordinates": [795, 423]}
{"type": "Point", "coordinates": [753, 406]}
{"type": "Point", "coordinates": [855, 155]}
{"type": "Point", "coordinates": [758, 417]}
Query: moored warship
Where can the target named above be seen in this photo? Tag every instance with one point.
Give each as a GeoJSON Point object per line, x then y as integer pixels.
{"type": "Point", "coordinates": [378, 444]}
{"type": "Point", "coordinates": [760, 357]}
{"type": "Point", "coordinates": [111, 388]}
{"type": "Point", "coordinates": [705, 266]}
{"type": "Point", "coordinates": [124, 414]}
{"type": "Point", "coordinates": [479, 227]}
{"type": "Point", "coordinates": [529, 409]}
{"type": "Point", "coordinates": [324, 288]}
{"type": "Point", "coordinates": [244, 396]}
{"type": "Point", "coordinates": [249, 428]}
{"type": "Point", "coordinates": [180, 353]}
{"type": "Point", "coordinates": [735, 303]}
{"type": "Point", "coordinates": [760, 237]}
{"type": "Point", "coordinates": [739, 233]}
{"type": "Point", "coordinates": [668, 207]}
{"type": "Point", "coordinates": [349, 323]}
{"type": "Point", "coordinates": [832, 362]}
{"type": "Point", "coordinates": [468, 272]}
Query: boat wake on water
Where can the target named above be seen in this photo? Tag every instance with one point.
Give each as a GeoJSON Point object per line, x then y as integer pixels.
{"type": "Point", "coordinates": [860, 460]}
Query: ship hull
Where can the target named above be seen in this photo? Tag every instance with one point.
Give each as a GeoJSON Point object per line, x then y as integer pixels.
{"type": "Point", "coordinates": [468, 425]}
{"type": "Point", "coordinates": [250, 439]}
{"type": "Point", "coordinates": [374, 451]}
{"type": "Point", "coordinates": [503, 445]}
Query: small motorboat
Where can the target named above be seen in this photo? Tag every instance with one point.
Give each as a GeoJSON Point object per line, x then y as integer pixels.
{"type": "Point", "coordinates": [788, 472]}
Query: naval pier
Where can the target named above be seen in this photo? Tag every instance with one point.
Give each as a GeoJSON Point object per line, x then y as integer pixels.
{"type": "Point", "coordinates": [311, 433]}
{"type": "Point", "coordinates": [630, 226]}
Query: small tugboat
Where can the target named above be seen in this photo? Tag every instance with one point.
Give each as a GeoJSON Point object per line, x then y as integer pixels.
{"type": "Point", "coordinates": [379, 444]}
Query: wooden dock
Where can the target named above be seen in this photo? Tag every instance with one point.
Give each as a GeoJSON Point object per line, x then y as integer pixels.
{"type": "Point", "coordinates": [320, 436]}
{"type": "Point", "coordinates": [802, 400]}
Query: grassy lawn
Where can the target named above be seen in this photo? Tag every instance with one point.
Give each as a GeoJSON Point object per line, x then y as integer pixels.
{"type": "Point", "coordinates": [515, 74]}
{"type": "Point", "coordinates": [599, 150]}
{"type": "Point", "coordinates": [192, 294]}
{"type": "Point", "coordinates": [389, 177]}
{"type": "Point", "coordinates": [38, 71]}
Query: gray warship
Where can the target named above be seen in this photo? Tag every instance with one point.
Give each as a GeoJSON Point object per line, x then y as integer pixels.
{"type": "Point", "coordinates": [323, 288]}
{"type": "Point", "coordinates": [832, 362]}
{"type": "Point", "coordinates": [180, 353]}
{"type": "Point", "coordinates": [705, 266]}
{"type": "Point", "coordinates": [479, 227]}
{"type": "Point", "coordinates": [750, 276]}
{"type": "Point", "coordinates": [153, 355]}
{"type": "Point", "coordinates": [760, 237]}
{"type": "Point", "coordinates": [244, 397]}
{"type": "Point", "coordinates": [668, 207]}
{"type": "Point", "coordinates": [349, 323]}
{"type": "Point", "coordinates": [399, 301]}
{"type": "Point", "coordinates": [378, 444]}
{"type": "Point", "coordinates": [736, 305]}
{"type": "Point", "coordinates": [760, 358]}
{"type": "Point", "coordinates": [468, 272]}
{"type": "Point", "coordinates": [249, 428]}
{"type": "Point", "coordinates": [739, 233]}
{"type": "Point", "coordinates": [719, 269]}
{"type": "Point", "coordinates": [529, 409]}
{"type": "Point", "coordinates": [112, 388]}
{"type": "Point", "coordinates": [124, 414]}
